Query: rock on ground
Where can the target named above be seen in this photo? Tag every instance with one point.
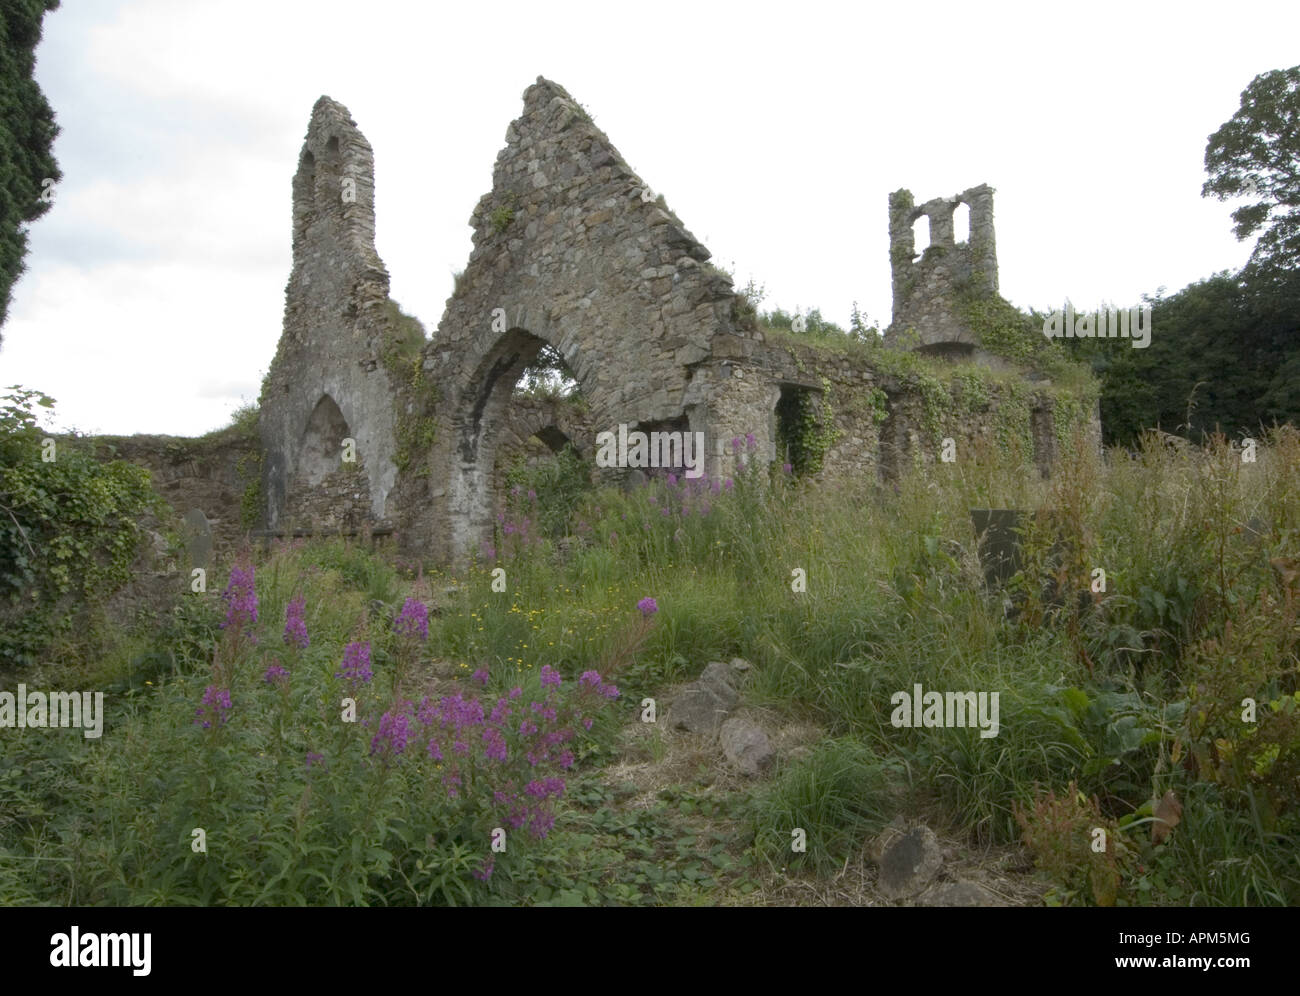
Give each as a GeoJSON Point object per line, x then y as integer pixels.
{"type": "Point", "coordinates": [959, 894]}
{"type": "Point", "coordinates": [909, 863]}
{"type": "Point", "coordinates": [746, 746]}
{"type": "Point", "coordinates": [702, 706]}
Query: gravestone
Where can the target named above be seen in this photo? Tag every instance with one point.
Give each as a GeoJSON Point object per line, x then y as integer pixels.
{"type": "Point", "coordinates": [997, 530]}
{"type": "Point", "coordinates": [197, 537]}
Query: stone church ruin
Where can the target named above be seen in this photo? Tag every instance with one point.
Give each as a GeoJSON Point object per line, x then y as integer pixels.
{"type": "Point", "coordinates": [365, 424]}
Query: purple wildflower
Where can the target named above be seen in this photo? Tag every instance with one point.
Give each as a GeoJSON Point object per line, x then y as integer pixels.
{"type": "Point", "coordinates": [750, 442]}
{"type": "Point", "coordinates": [541, 824]}
{"type": "Point", "coordinates": [452, 782]}
{"type": "Point", "coordinates": [545, 788]}
{"type": "Point", "coordinates": [295, 626]}
{"type": "Point", "coordinates": [435, 751]}
{"type": "Point", "coordinates": [274, 672]}
{"type": "Point", "coordinates": [216, 704]}
{"type": "Point", "coordinates": [426, 713]}
{"type": "Point", "coordinates": [550, 676]}
{"type": "Point", "coordinates": [788, 468]}
{"type": "Point", "coordinates": [356, 663]}
{"type": "Point", "coordinates": [413, 620]}
{"type": "Point", "coordinates": [648, 607]}
{"type": "Point", "coordinates": [393, 734]}
{"type": "Point", "coordinates": [494, 745]}
{"type": "Point", "coordinates": [481, 676]}
{"type": "Point", "coordinates": [485, 873]}
{"type": "Point", "coordinates": [241, 598]}
{"type": "Point", "coordinates": [314, 757]}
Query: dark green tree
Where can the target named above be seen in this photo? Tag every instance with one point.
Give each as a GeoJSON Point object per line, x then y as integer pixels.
{"type": "Point", "coordinates": [1256, 155]}
{"type": "Point", "coordinates": [1215, 362]}
{"type": "Point", "coordinates": [27, 132]}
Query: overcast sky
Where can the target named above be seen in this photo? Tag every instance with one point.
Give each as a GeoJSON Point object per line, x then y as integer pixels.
{"type": "Point", "coordinates": [155, 286]}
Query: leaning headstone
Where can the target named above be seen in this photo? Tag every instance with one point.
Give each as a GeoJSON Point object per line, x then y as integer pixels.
{"type": "Point", "coordinates": [197, 536]}
{"type": "Point", "coordinates": [997, 531]}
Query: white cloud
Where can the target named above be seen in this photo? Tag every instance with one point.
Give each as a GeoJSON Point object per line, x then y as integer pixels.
{"type": "Point", "coordinates": [155, 287]}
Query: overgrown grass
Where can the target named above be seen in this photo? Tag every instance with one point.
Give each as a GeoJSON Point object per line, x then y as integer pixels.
{"type": "Point", "coordinates": [1128, 693]}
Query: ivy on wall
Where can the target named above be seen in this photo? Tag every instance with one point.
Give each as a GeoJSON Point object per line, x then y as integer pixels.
{"type": "Point", "coordinates": [414, 430]}
{"type": "Point", "coordinates": [69, 528]}
{"type": "Point", "coordinates": [249, 468]}
{"type": "Point", "coordinates": [1071, 410]}
{"type": "Point", "coordinates": [806, 430]}
{"type": "Point", "coordinates": [951, 394]}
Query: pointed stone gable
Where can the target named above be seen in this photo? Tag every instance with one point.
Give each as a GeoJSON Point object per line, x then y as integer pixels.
{"type": "Point", "coordinates": [573, 249]}
{"type": "Point", "coordinates": [335, 328]}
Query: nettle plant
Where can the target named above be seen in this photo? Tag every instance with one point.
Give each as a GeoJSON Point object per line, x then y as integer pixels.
{"type": "Point", "coordinates": [325, 777]}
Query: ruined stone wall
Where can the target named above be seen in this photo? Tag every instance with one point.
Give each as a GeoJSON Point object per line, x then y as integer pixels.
{"type": "Point", "coordinates": [884, 424]}
{"type": "Point", "coordinates": [574, 250]}
{"type": "Point", "coordinates": [217, 474]}
{"type": "Point", "coordinates": [327, 382]}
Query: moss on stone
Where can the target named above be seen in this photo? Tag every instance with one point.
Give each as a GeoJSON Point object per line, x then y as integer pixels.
{"type": "Point", "coordinates": [414, 430]}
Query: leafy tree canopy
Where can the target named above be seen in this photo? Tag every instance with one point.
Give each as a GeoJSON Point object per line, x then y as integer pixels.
{"type": "Point", "coordinates": [1256, 155]}
{"type": "Point", "coordinates": [27, 131]}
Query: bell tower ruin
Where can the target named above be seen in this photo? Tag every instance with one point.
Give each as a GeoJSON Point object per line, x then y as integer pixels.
{"type": "Point", "coordinates": [929, 289]}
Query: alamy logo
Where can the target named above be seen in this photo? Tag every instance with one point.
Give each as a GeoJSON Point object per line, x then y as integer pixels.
{"type": "Point", "coordinates": [658, 449]}
{"type": "Point", "coordinates": [1105, 323]}
{"type": "Point", "coordinates": [77, 950]}
{"type": "Point", "coordinates": [928, 710]}
{"type": "Point", "coordinates": [41, 709]}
